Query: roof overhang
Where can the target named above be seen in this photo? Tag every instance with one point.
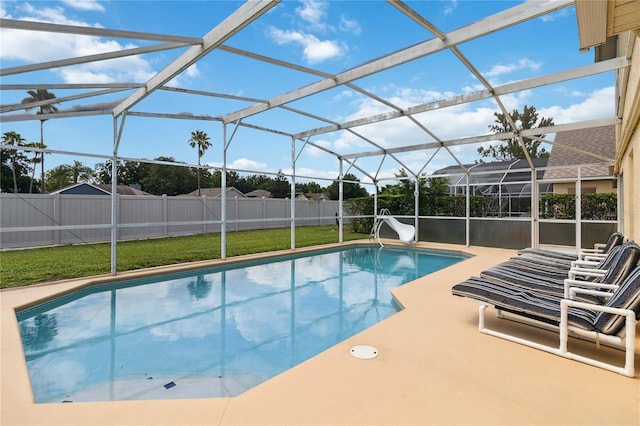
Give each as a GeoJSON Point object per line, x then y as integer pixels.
{"type": "Point", "coordinates": [600, 20]}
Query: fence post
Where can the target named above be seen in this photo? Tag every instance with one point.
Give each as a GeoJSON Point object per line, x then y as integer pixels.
{"type": "Point", "coordinates": [165, 215]}
{"type": "Point", "coordinates": [235, 213]}
{"type": "Point", "coordinates": [56, 218]}
{"type": "Point", "coordinates": [204, 213]}
{"type": "Point", "coordinates": [119, 217]}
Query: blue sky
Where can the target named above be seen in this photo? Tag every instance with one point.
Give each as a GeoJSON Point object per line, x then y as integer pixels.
{"type": "Point", "coordinates": [328, 36]}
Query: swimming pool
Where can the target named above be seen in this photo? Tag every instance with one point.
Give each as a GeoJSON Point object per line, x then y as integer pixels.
{"type": "Point", "coordinates": [212, 332]}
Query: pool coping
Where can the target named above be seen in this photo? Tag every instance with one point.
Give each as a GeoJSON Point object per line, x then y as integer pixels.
{"type": "Point", "coordinates": [479, 379]}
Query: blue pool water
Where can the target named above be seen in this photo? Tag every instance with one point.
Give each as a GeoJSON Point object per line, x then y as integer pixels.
{"type": "Point", "coordinates": [212, 332]}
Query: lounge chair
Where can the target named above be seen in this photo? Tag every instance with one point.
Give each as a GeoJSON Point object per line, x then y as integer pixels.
{"type": "Point", "coordinates": [612, 323]}
{"type": "Point", "coordinates": [555, 264]}
{"type": "Point", "coordinates": [559, 270]}
{"type": "Point", "coordinates": [615, 239]}
{"type": "Point", "coordinates": [613, 270]}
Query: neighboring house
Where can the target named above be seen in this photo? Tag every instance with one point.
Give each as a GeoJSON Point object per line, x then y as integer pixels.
{"type": "Point", "coordinates": [216, 192]}
{"type": "Point", "coordinates": [259, 193]}
{"type": "Point", "coordinates": [493, 178]}
{"type": "Point", "coordinates": [123, 189]}
{"type": "Point", "coordinates": [84, 188]}
{"type": "Point", "coordinates": [600, 141]}
{"type": "Point", "coordinates": [315, 196]}
{"type": "Point", "coordinates": [81, 188]}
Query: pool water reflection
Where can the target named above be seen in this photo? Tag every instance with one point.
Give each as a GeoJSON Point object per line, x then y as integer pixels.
{"type": "Point", "coordinates": [213, 332]}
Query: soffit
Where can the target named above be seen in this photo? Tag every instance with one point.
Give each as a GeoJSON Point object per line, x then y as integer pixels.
{"type": "Point", "coordinates": [598, 20]}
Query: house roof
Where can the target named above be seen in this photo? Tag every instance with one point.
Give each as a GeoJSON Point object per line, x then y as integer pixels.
{"type": "Point", "coordinates": [81, 188]}
{"type": "Point", "coordinates": [259, 193]}
{"type": "Point", "coordinates": [493, 175]}
{"type": "Point", "coordinates": [215, 192]}
{"type": "Point", "coordinates": [85, 188]}
{"type": "Point", "coordinates": [480, 172]}
{"type": "Point", "coordinates": [313, 196]}
{"type": "Point", "coordinates": [600, 141]}
{"type": "Point", "coordinates": [122, 189]}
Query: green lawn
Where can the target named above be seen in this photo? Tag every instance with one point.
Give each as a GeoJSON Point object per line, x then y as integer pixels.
{"type": "Point", "coordinates": [30, 266]}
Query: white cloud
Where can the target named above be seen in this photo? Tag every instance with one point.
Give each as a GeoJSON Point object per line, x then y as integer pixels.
{"type": "Point", "coordinates": [314, 17]}
{"type": "Point", "coordinates": [315, 152]}
{"type": "Point", "coordinates": [450, 123]}
{"type": "Point", "coordinates": [550, 17]}
{"type": "Point", "coordinates": [36, 47]}
{"type": "Point", "coordinates": [598, 104]}
{"type": "Point", "coordinates": [450, 7]}
{"type": "Point", "coordinates": [314, 49]}
{"type": "Point", "coordinates": [343, 95]}
{"type": "Point", "coordinates": [313, 12]}
{"type": "Point", "coordinates": [186, 76]}
{"type": "Point", "coordinates": [245, 164]}
{"type": "Point", "coordinates": [350, 25]}
{"type": "Point", "coordinates": [521, 64]}
{"type": "Point", "coordinates": [89, 5]}
{"type": "Point", "coordinates": [307, 171]}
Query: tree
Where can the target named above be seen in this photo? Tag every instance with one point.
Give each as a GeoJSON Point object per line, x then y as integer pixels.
{"type": "Point", "coordinates": [201, 140]}
{"type": "Point", "coordinates": [37, 96]}
{"type": "Point", "coordinates": [280, 186]}
{"type": "Point", "coordinates": [511, 150]}
{"type": "Point", "coordinates": [59, 177]}
{"type": "Point", "coordinates": [129, 172]}
{"type": "Point", "coordinates": [37, 159]}
{"type": "Point", "coordinates": [349, 189]}
{"type": "Point", "coordinates": [13, 138]}
{"type": "Point", "coordinates": [66, 174]}
{"type": "Point", "coordinates": [80, 172]}
{"type": "Point", "coordinates": [308, 188]}
{"type": "Point", "coordinates": [171, 180]}
{"type": "Point", "coordinates": [260, 181]}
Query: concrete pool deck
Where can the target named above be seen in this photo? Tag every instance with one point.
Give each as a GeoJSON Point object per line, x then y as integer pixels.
{"type": "Point", "coordinates": [434, 367]}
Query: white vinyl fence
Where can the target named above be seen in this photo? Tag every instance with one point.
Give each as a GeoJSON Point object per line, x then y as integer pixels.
{"type": "Point", "coordinates": [32, 220]}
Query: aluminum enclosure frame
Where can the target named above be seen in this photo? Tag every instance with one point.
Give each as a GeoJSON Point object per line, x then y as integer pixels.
{"type": "Point", "coordinates": [197, 48]}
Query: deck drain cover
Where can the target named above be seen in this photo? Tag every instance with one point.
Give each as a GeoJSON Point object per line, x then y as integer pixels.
{"type": "Point", "coordinates": [364, 352]}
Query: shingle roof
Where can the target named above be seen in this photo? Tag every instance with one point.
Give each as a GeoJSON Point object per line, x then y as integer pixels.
{"type": "Point", "coordinates": [259, 193]}
{"type": "Point", "coordinates": [85, 188]}
{"type": "Point", "coordinates": [597, 140]}
{"type": "Point", "coordinates": [122, 189]}
{"type": "Point", "coordinates": [215, 192]}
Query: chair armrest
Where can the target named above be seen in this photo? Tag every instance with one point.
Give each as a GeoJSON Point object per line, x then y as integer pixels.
{"type": "Point", "coordinates": [584, 264]}
{"type": "Point", "coordinates": [591, 255]}
{"type": "Point", "coordinates": [573, 291]}
{"type": "Point", "coordinates": [597, 248]}
{"type": "Point", "coordinates": [630, 328]}
{"type": "Point", "coordinates": [568, 303]}
{"type": "Point", "coordinates": [570, 283]}
{"type": "Point", "coordinates": [586, 272]}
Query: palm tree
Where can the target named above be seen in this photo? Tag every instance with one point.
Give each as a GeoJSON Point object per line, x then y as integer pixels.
{"type": "Point", "coordinates": [202, 141]}
{"type": "Point", "coordinates": [59, 177]}
{"type": "Point", "coordinates": [37, 96]}
{"type": "Point", "coordinates": [35, 161]}
{"type": "Point", "coordinates": [80, 171]}
{"type": "Point", "coordinates": [13, 138]}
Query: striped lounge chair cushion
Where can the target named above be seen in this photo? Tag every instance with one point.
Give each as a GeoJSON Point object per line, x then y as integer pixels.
{"type": "Point", "coordinates": [615, 239]}
{"type": "Point", "coordinates": [559, 265]}
{"type": "Point", "coordinates": [627, 296]}
{"type": "Point", "coordinates": [513, 299]}
{"type": "Point", "coordinates": [551, 254]}
{"type": "Point", "coordinates": [618, 265]}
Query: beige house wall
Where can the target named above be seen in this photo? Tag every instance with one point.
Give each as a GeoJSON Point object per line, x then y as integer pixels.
{"type": "Point", "coordinates": [628, 142]}
{"type": "Point", "coordinates": [598, 186]}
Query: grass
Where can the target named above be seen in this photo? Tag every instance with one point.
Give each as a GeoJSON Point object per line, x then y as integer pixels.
{"type": "Point", "coordinates": [31, 266]}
